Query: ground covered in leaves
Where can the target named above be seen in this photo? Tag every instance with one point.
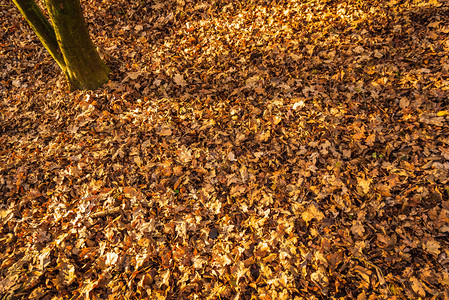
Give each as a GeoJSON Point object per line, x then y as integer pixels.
{"type": "Point", "coordinates": [242, 150]}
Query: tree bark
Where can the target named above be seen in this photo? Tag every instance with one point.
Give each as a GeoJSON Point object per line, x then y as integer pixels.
{"type": "Point", "coordinates": [36, 19]}
{"type": "Point", "coordinates": [67, 41]}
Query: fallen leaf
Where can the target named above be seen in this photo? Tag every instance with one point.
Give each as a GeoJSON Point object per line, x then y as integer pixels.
{"type": "Point", "coordinates": [417, 286]}
{"type": "Point", "coordinates": [231, 156]}
{"type": "Point", "coordinates": [179, 80]}
{"type": "Point", "coordinates": [312, 212]}
{"type": "Point", "coordinates": [365, 184]}
{"type": "Point", "coordinates": [165, 131]}
{"type": "Point", "coordinates": [433, 247]}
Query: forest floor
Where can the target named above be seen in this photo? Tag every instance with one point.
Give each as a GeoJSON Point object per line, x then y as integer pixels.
{"type": "Point", "coordinates": [242, 150]}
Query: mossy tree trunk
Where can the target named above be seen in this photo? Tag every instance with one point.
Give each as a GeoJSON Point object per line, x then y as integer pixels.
{"type": "Point", "coordinates": [67, 41]}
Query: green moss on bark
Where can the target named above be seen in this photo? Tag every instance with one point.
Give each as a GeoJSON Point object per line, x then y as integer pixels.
{"type": "Point", "coordinates": [43, 29]}
{"type": "Point", "coordinates": [67, 41]}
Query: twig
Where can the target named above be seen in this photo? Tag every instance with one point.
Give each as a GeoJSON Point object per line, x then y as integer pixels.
{"type": "Point", "coordinates": [107, 212]}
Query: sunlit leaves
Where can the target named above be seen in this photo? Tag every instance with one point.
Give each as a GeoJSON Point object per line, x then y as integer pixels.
{"type": "Point", "coordinates": [244, 149]}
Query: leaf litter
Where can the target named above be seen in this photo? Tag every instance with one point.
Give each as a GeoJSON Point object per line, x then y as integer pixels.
{"type": "Point", "coordinates": [253, 149]}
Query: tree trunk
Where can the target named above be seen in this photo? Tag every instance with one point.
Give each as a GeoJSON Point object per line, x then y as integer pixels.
{"type": "Point", "coordinates": [67, 41]}
{"type": "Point", "coordinates": [36, 19]}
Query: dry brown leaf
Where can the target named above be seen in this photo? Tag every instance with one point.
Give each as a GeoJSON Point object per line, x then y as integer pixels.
{"type": "Point", "coordinates": [179, 80]}
{"type": "Point", "coordinates": [433, 247]}
{"type": "Point", "coordinates": [417, 287]}
{"type": "Point", "coordinates": [165, 131]}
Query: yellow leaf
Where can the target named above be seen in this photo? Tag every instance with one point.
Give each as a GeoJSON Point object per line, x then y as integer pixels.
{"type": "Point", "coordinates": [184, 154]}
{"type": "Point", "coordinates": [364, 184]}
{"type": "Point", "coordinates": [442, 113]}
{"type": "Point", "coordinates": [67, 272]}
{"type": "Point", "coordinates": [417, 286]}
{"type": "Point", "coordinates": [312, 212]}
{"type": "Point", "coordinates": [359, 135]}
{"type": "Point", "coordinates": [433, 247]}
{"type": "Point", "coordinates": [237, 190]}
{"type": "Point", "coordinates": [264, 136]}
